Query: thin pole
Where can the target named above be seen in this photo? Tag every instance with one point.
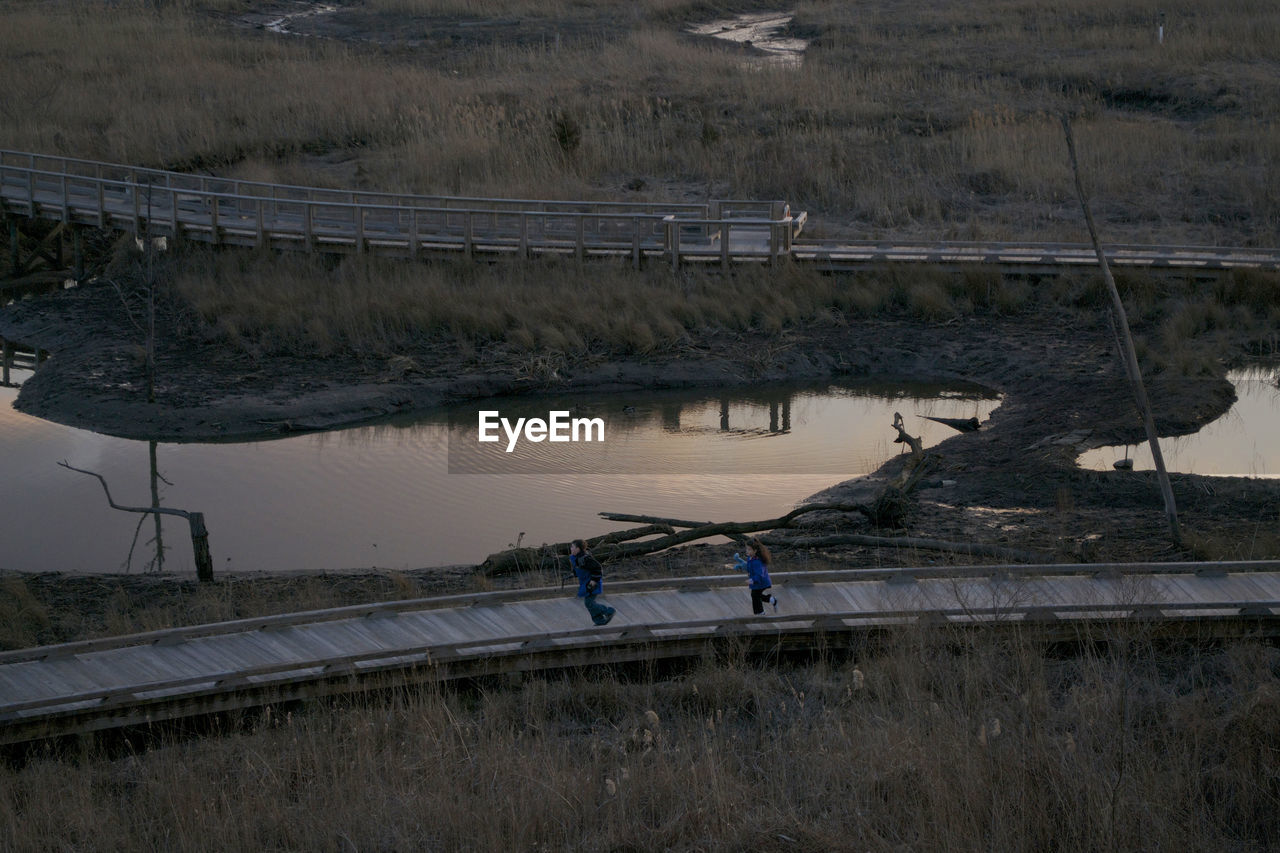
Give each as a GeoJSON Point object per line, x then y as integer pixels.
{"type": "Point", "coordinates": [1125, 339]}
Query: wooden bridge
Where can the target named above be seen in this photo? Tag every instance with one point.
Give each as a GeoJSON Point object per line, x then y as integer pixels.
{"type": "Point", "coordinates": [186, 672]}
{"type": "Point", "coordinates": [225, 211]}
{"type": "Point", "coordinates": [84, 193]}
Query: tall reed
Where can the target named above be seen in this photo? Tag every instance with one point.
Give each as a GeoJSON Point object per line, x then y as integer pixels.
{"type": "Point", "coordinates": [939, 741]}
{"type": "Point", "coordinates": [925, 119]}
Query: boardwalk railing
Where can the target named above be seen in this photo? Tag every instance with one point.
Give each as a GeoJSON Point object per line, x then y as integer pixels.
{"type": "Point", "coordinates": [726, 231]}
{"type": "Point", "coordinates": [248, 213]}
{"type": "Point", "coordinates": [1034, 258]}
{"type": "Point", "coordinates": [112, 682]}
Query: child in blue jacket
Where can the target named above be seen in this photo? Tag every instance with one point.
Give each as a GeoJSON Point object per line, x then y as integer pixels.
{"type": "Point", "coordinates": [590, 581]}
{"type": "Point", "coordinates": [756, 565]}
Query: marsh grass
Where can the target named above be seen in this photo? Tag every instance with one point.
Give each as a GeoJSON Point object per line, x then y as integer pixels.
{"type": "Point", "coordinates": [933, 740]}
{"type": "Point", "coordinates": [927, 119]}
{"type": "Point", "coordinates": [46, 609]}
{"type": "Point", "coordinates": [557, 311]}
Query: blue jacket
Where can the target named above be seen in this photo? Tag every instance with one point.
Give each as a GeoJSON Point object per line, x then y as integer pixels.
{"type": "Point", "coordinates": [587, 568]}
{"type": "Point", "coordinates": [757, 572]}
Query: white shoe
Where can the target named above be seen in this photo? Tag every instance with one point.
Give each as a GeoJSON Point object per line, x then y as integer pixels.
{"type": "Point", "coordinates": [773, 599]}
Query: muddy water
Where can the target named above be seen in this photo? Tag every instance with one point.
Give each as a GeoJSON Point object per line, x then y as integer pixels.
{"type": "Point", "coordinates": [761, 31]}
{"type": "Point", "coordinates": [414, 493]}
{"type": "Point", "coordinates": [1245, 442]}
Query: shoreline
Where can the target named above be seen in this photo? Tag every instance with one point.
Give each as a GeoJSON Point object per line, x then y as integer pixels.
{"type": "Point", "coordinates": [1014, 482]}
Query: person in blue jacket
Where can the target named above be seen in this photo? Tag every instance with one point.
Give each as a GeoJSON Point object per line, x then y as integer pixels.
{"type": "Point", "coordinates": [590, 581]}
{"type": "Point", "coordinates": [756, 565]}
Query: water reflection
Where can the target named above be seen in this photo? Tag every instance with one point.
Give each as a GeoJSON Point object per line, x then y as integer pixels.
{"type": "Point", "coordinates": [696, 433]}
{"type": "Point", "coordinates": [383, 495]}
{"type": "Point", "coordinates": [1244, 442]}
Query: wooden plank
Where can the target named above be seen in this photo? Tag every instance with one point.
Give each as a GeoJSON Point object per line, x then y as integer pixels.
{"type": "Point", "coordinates": [279, 652]}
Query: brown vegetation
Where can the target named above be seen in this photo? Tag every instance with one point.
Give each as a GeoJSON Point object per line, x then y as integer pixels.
{"type": "Point", "coordinates": [924, 119]}
{"type": "Point", "coordinates": [933, 119]}
{"type": "Point", "coordinates": [932, 741]}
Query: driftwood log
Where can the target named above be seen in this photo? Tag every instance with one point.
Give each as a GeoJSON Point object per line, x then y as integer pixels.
{"type": "Point", "coordinates": [973, 549]}
{"type": "Point", "coordinates": [959, 424]}
{"type": "Point", "coordinates": [887, 510]}
{"type": "Point", "coordinates": [555, 555]}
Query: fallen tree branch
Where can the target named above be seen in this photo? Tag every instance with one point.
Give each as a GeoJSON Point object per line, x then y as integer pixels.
{"type": "Point", "coordinates": [627, 535]}
{"type": "Point", "coordinates": [889, 509]}
{"type": "Point", "coordinates": [958, 424]}
{"type": "Point", "coordinates": [973, 549]}
{"type": "Point", "coordinates": [547, 556]}
{"type": "Point", "coordinates": [554, 555]}
{"type": "Point", "coordinates": [653, 519]}
{"type": "Point", "coordinates": [917, 450]}
{"type": "Point", "coordinates": [195, 520]}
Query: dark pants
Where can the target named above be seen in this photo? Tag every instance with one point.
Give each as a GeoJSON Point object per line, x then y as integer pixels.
{"type": "Point", "coordinates": [597, 610]}
{"type": "Point", "coordinates": [758, 598]}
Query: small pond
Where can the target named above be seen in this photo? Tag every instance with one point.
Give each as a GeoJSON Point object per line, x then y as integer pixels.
{"type": "Point", "coordinates": [1245, 442]}
{"type": "Point", "coordinates": [420, 491]}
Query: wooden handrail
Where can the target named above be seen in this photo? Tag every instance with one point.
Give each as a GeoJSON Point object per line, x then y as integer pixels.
{"type": "Point", "coordinates": [524, 644]}
{"type": "Point", "coordinates": [895, 574]}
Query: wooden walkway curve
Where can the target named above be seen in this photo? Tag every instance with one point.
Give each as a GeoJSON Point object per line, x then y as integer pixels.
{"type": "Point", "coordinates": [225, 211]}
{"type": "Point", "coordinates": [178, 673]}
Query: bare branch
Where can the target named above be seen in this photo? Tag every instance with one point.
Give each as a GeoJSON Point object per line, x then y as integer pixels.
{"type": "Point", "coordinates": [163, 510]}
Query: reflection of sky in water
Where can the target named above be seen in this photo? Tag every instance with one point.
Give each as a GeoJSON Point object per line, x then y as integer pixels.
{"type": "Point", "coordinates": [761, 31]}
{"type": "Point", "coordinates": [1243, 442]}
{"type": "Point", "coordinates": [829, 431]}
{"type": "Point", "coordinates": [383, 496]}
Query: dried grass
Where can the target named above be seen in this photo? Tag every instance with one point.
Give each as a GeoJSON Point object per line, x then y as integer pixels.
{"type": "Point", "coordinates": [939, 740]}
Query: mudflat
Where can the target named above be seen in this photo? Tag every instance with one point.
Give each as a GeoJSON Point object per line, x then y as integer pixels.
{"type": "Point", "coordinates": [1013, 482]}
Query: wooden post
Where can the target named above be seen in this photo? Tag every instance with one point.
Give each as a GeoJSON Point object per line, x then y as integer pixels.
{"type": "Point", "coordinates": [1128, 354]}
{"type": "Point", "coordinates": [673, 241]}
{"type": "Point", "coordinates": [15, 255]}
{"type": "Point", "coordinates": [137, 206]}
{"type": "Point", "coordinates": [635, 242]}
{"type": "Point", "coordinates": [7, 358]}
{"type": "Point", "coordinates": [77, 253]}
{"type": "Point", "coordinates": [200, 546]}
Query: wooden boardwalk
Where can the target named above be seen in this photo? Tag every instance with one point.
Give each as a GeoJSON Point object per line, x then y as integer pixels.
{"type": "Point", "coordinates": [165, 675]}
{"type": "Point", "coordinates": [225, 211]}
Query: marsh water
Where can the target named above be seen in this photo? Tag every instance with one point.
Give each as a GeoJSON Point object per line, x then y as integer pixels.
{"type": "Point", "coordinates": [1244, 442]}
{"type": "Point", "coordinates": [422, 491]}
{"type": "Point", "coordinates": [418, 492]}
{"type": "Point", "coordinates": [766, 32]}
